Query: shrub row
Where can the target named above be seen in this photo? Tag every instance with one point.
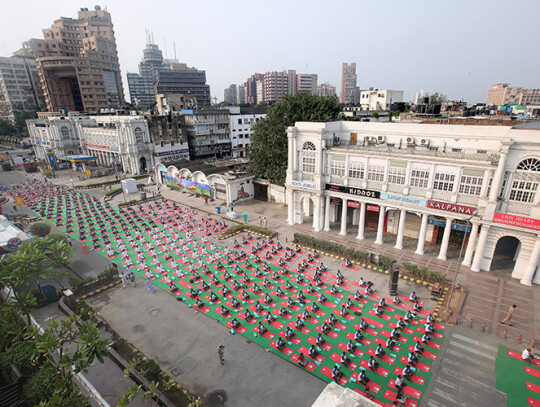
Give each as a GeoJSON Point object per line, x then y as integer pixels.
{"type": "Point", "coordinates": [331, 247]}
{"type": "Point", "coordinates": [423, 273]}
{"type": "Point", "coordinates": [105, 277]}
{"type": "Point", "coordinates": [111, 182]}
{"type": "Point", "coordinates": [242, 228]}
{"type": "Point", "coordinates": [133, 201]}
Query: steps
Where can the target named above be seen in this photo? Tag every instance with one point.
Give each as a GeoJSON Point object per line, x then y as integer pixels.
{"type": "Point", "coordinates": [334, 395]}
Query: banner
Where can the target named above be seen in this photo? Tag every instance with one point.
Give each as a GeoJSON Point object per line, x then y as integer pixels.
{"type": "Point", "coordinates": [519, 221]}
{"type": "Point", "coordinates": [180, 184]}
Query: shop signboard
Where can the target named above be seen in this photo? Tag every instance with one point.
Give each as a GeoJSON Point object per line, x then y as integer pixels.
{"type": "Point", "coordinates": [373, 208]}
{"type": "Point", "coordinates": [519, 221]}
{"type": "Point", "coordinates": [353, 191]}
{"type": "Point", "coordinates": [451, 207]}
{"type": "Point", "coordinates": [403, 199]}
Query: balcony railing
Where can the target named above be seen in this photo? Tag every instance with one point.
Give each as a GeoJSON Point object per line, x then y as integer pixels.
{"type": "Point", "coordinates": [519, 208]}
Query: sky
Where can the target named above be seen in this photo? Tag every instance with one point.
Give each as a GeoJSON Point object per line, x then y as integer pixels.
{"type": "Point", "coordinates": [458, 48]}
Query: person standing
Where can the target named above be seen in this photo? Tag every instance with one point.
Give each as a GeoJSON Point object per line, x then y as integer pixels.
{"type": "Point", "coordinates": [221, 351]}
{"type": "Point", "coordinates": [69, 241]}
{"type": "Point", "coordinates": [124, 279]}
{"type": "Point", "coordinates": [509, 315]}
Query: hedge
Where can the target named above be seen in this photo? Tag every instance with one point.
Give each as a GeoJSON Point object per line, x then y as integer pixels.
{"type": "Point", "coordinates": [41, 229]}
{"type": "Point", "coordinates": [423, 273]}
{"type": "Point", "coordinates": [133, 201]}
{"type": "Point", "coordinates": [331, 247]}
{"type": "Point", "coordinates": [111, 182]}
{"type": "Point", "coordinates": [242, 228]}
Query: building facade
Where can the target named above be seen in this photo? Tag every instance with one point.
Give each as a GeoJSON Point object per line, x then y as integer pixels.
{"type": "Point", "coordinates": [183, 80]}
{"type": "Point", "coordinates": [326, 89]}
{"type": "Point", "coordinates": [502, 94]}
{"type": "Point", "coordinates": [428, 182]}
{"type": "Point", "coordinates": [348, 83]}
{"type": "Point", "coordinates": [230, 95]}
{"type": "Point", "coordinates": [77, 62]}
{"type": "Point", "coordinates": [141, 85]}
{"type": "Point", "coordinates": [208, 133]}
{"type": "Point", "coordinates": [241, 121]}
{"type": "Point", "coordinates": [168, 135]}
{"type": "Point", "coordinates": [275, 86]}
{"type": "Point", "coordinates": [306, 82]}
{"type": "Point", "coordinates": [121, 142]}
{"type": "Point", "coordinates": [19, 87]}
{"type": "Point", "coordinates": [251, 88]}
{"type": "Point", "coordinates": [379, 99]}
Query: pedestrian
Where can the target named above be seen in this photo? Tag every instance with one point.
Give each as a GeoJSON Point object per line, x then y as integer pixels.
{"type": "Point", "coordinates": [124, 279]}
{"type": "Point", "coordinates": [221, 350]}
{"type": "Point", "coordinates": [205, 200]}
{"type": "Point", "coordinates": [265, 222]}
{"type": "Point", "coordinates": [509, 315]}
{"type": "Point", "coordinates": [260, 221]}
{"type": "Point", "coordinates": [131, 277]}
{"type": "Point", "coordinates": [69, 241]}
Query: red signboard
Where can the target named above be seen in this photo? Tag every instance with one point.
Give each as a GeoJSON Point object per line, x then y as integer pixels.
{"type": "Point", "coordinates": [352, 204]}
{"type": "Point", "coordinates": [373, 208]}
{"type": "Point", "coordinates": [519, 221]}
{"type": "Point", "coordinates": [451, 207]}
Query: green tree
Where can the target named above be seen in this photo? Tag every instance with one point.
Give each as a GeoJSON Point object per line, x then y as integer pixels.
{"type": "Point", "coordinates": [20, 121]}
{"type": "Point", "coordinates": [437, 98]}
{"type": "Point", "coordinates": [6, 128]}
{"type": "Point", "coordinates": [375, 115]}
{"type": "Point", "coordinates": [268, 150]}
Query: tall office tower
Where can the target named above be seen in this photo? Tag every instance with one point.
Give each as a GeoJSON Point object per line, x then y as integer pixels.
{"type": "Point", "coordinates": [141, 85]}
{"type": "Point", "coordinates": [306, 82]}
{"type": "Point", "coordinates": [291, 81]}
{"type": "Point", "coordinates": [348, 83]}
{"type": "Point", "coordinates": [326, 89]}
{"type": "Point", "coordinates": [251, 88]}
{"type": "Point", "coordinates": [20, 89]}
{"type": "Point", "coordinates": [276, 85]}
{"type": "Point", "coordinates": [230, 95]}
{"type": "Point", "coordinates": [182, 80]}
{"type": "Point", "coordinates": [241, 94]}
{"type": "Point", "coordinates": [77, 62]}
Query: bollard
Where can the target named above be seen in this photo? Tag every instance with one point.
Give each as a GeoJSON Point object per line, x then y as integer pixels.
{"type": "Point", "coordinates": [470, 322]}
{"type": "Point", "coordinates": [484, 327]}
{"type": "Point", "coordinates": [520, 337]}
{"type": "Point", "coordinates": [505, 333]}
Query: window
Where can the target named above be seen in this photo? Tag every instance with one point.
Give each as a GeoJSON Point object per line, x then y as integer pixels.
{"type": "Point", "coordinates": [471, 181]}
{"type": "Point", "coordinates": [444, 182]}
{"type": "Point", "coordinates": [138, 136]}
{"type": "Point", "coordinates": [356, 170]}
{"type": "Point", "coordinates": [525, 183]}
{"type": "Point", "coordinates": [397, 172]}
{"type": "Point", "coordinates": [523, 191]}
{"type": "Point", "coordinates": [308, 158]}
{"type": "Point", "coordinates": [530, 164]}
{"type": "Point", "coordinates": [338, 168]}
{"type": "Point", "coordinates": [65, 133]}
{"type": "Point", "coordinates": [419, 178]}
{"type": "Point", "coordinates": [375, 173]}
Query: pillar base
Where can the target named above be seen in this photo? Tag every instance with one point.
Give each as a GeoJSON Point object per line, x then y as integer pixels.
{"type": "Point", "coordinates": [421, 252]}
{"type": "Point", "coordinates": [326, 229]}
{"type": "Point", "coordinates": [441, 257]}
{"type": "Point", "coordinates": [343, 233]}
{"type": "Point", "coordinates": [466, 264]}
{"type": "Point", "coordinates": [317, 229]}
{"type": "Point", "coordinates": [476, 270]}
{"type": "Point", "coordinates": [399, 247]}
{"type": "Point", "coordinates": [359, 237]}
{"type": "Point", "coordinates": [528, 283]}
{"type": "Point", "coordinates": [378, 242]}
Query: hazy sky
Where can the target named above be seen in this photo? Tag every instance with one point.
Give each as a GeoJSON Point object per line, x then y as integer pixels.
{"type": "Point", "coordinates": [457, 47]}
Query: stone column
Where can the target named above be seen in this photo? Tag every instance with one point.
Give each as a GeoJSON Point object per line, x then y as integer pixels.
{"type": "Point", "coordinates": [480, 248]}
{"type": "Point", "coordinates": [343, 230]}
{"type": "Point", "coordinates": [401, 229]}
{"type": "Point", "coordinates": [361, 221]}
{"type": "Point", "coordinates": [446, 239]}
{"type": "Point", "coordinates": [498, 176]}
{"type": "Point", "coordinates": [380, 225]}
{"type": "Point", "coordinates": [317, 215]}
{"type": "Point", "coordinates": [327, 215]}
{"type": "Point", "coordinates": [422, 234]}
{"type": "Point", "coordinates": [470, 246]}
{"type": "Point", "coordinates": [532, 265]}
{"type": "Point", "coordinates": [290, 208]}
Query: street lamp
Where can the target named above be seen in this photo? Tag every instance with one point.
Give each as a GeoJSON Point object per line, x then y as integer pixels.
{"type": "Point", "coordinates": [447, 310]}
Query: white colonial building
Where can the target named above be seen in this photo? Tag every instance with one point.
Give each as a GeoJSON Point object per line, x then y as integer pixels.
{"type": "Point", "coordinates": [120, 141]}
{"type": "Point", "coordinates": [425, 182]}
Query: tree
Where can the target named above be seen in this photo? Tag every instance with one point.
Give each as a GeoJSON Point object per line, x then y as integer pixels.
{"type": "Point", "coordinates": [20, 121]}
{"type": "Point", "coordinates": [6, 128]}
{"type": "Point", "coordinates": [375, 115]}
{"type": "Point", "coordinates": [437, 98]}
{"type": "Point", "coordinates": [268, 151]}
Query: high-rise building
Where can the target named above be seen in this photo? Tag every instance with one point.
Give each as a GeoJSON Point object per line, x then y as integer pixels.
{"type": "Point", "coordinates": [306, 82]}
{"type": "Point", "coordinates": [230, 95]}
{"type": "Point", "coordinates": [276, 85]}
{"type": "Point", "coordinates": [19, 87]}
{"type": "Point", "coordinates": [348, 83]}
{"type": "Point", "coordinates": [208, 133]}
{"type": "Point", "coordinates": [141, 85]}
{"type": "Point", "coordinates": [251, 88]}
{"type": "Point", "coordinates": [241, 94]}
{"type": "Point", "coordinates": [326, 89]}
{"type": "Point", "coordinates": [183, 80]}
{"type": "Point", "coordinates": [77, 63]}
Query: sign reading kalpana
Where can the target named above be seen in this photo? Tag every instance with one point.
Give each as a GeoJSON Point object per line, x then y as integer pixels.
{"type": "Point", "coordinates": [451, 207]}
{"type": "Point", "coordinates": [404, 199]}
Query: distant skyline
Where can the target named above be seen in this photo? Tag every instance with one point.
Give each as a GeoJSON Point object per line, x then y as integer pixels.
{"type": "Point", "coordinates": [458, 48]}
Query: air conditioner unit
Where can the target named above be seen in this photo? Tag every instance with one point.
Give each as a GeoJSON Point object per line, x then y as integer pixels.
{"type": "Point", "coordinates": [410, 140]}
{"type": "Point", "coordinates": [381, 139]}
{"type": "Point", "coordinates": [424, 142]}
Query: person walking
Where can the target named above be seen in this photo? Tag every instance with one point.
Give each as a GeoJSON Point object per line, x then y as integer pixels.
{"type": "Point", "coordinates": [221, 350]}
{"type": "Point", "coordinates": [124, 279]}
{"type": "Point", "coordinates": [69, 241]}
{"type": "Point", "coordinates": [509, 315]}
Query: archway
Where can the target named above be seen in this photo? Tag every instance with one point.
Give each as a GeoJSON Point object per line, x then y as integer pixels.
{"type": "Point", "coordinates": [505, 254]}
{"type": "Point", "coordinates": [306, 209]}
{"type": "Point", "coordinates": [143, 165]}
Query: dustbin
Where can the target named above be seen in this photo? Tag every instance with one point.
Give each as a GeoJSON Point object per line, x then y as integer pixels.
{"type": "Point", "coordinates": [143, 196]}
{"type": "Point", "coordinates": [218, 209]}
{"type": "Point", "coordinates": [49, 292]}
{"type": "Point", "coordinates": [244, 215]}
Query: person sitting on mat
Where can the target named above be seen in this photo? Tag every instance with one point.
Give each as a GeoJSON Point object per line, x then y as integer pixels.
{"type": "Point", "coordinates": [372, 363]}
{"type": "Point", "coordinates": [334, 290]}
{"type": "Point", "coordinates": [289, 333]}
{"type": "Point", "coordinates": [362, 378]}
{"type": "Point", "coordinates": [297, 249]}
{"type": "Point", "coordinates": [149, 274]}
{"type": "Point", "coordinates": [261, 328]}
{"type": "Point", "coordinates": [345, 360]}
{"type": "Point", "coordinates": [322, 299]}
{"type": "Point", "coordinates": [351, 346]}
{"type": "Point", "coordinates": [289, 286]}
{"type": "Point", "coordinates": [199, 303]}
{"type": "Point", "coordinates": [398, 382]}
{"type": "Point", "coordinates": [279, 246]}
{"type": "Point", "coordinates": [279, 292]}
{"type": "Point", "coordinates": [312, 352]}
{"type": "Point", "coordinates": [369, 290]}
{"type": "Point", "coordinates": [407, 372]}
{"type": "Point", "coordinates": [417, 307]}
{"type": "Point", "coordinates": [395, 334]}
{"type": "Point", "coordinates": [267, 283]}
{"type": "Point", "coordinates": [290, 303]}
{"type": "Point", "coordinates": [418, 348]}
{"type": "Point", "coordinates": [224, 310]}
{"type": "Point", "coordinates": [348, 263]}
{"type": "Point", "coordinates": [336, 373]}
{"type": "Point", "coordinates": [318, 282]}
{"type": "Point", "coordinates": [412, 359]}
{"type": "Point", "coordinates": [426, 338]}
{"type": "Point", "coordinates": [332, 320]}
{"type": "Point", "coordinates": [302, 360]}
{"type": "Point", "coordinates": [301, 297]}
{"type": "Point", "coordinates": [382, 303]}
{"type": "Point", "coordinates": [379, 311]}
{"type": "Point", "coordinates": [430, 329]}
{"type": "Point", "coordinates": [358, 295]}
{"type": "Point", "coordinates": [168, 279]}
{"type": "Point", "coordinates": [236, 244]}
{"type": "Point", "coordinates": [226, 291]}
{"type": "Point", "coordinates": [270, 318]}
{"type": "Point", "coordinates": [248, 315]}
{"type": "Point", "coordinates": [237, 286]}
{"type": "Point", "coordinates": [389, 343]}
{"type": "Point", "coordinates": [280, 344]}
{"type": "Point", "coordinates": [267, 256]}
{"type": "Point", "coordinates": [235, 303]}
{"type": "Point", "coordinates": [258, 308]}
{"type": "Point", "coordinates": [315, 307]}
{"type": "Point", "coordinates": [396, 300]}
{"type": "Point", "coordinates": [299, 324]}
{"type": "Point", "coordinates": [310, 289]}
{"type": "Point", "coordinates": [257, 259]}
{"type": "Point", "coordinates": [173, 287]}
{"type": "Point", "coordinates": [527, 356]}
{"type": "Point", "coordinates": [363, 324]}
{"type": "Point", "coordinates": [325, 329]}
{"type": "Point", "coordinates": [244, 240]}
{"type": "Point", "coordinates": [245, 296]}
{"type": "Point", "coordinates": [430, 319]}
{"type": "Point", "coordinates": [110, 253]}
{"type": "Point", "coordinates": [340, 281]}
{"type": "Point", "coordinates": [344, 311]}
{"type": "Point", "coordinates": [400, 325]}
{"type": "Point", "coordinates": [379, 352]}
{"type": "Point", "coordinates": [213, 297]}
{"type": "Point", "coordinates": [283, 311]}
{"type": "Point", "coordinates": [358, 337]}
{"type": "Point", "coordinates": [267, 299]}
{"type": "Point", "coordinates": [408, 317]}
{"type": "Point", "coordinates": [257, 289]}
{"type": "Point", "coordinates": [235, 324]}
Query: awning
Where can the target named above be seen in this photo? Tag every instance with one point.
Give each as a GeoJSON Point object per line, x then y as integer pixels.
{"type": "Point", "coordinates": [77, 158]}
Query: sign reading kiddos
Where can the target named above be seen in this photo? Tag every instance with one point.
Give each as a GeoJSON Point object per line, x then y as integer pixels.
{"type": "Point", "coordinates": [451, 207]}
{"type": "Point", "coordinates": [354, 191]}
{"type": "Point", "coordinates": [404, 199]}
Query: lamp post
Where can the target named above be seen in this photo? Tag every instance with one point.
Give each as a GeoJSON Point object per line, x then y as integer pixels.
{"type": "Point", "coordinates": [447, 310]}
